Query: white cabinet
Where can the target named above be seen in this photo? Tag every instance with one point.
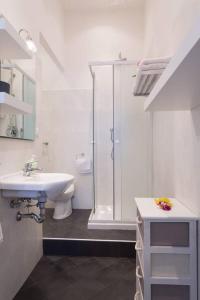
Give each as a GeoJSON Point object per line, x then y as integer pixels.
{"type": "Point", "coordinates": [12, 46]}
{"type": "Point", "coordinates": [166, 252]}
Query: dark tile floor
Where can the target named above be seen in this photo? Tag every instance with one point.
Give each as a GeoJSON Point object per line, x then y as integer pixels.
{"type": "Point", "coordinates": [80, 278]}
{"type": "Point", "coordinates": [75, 226]}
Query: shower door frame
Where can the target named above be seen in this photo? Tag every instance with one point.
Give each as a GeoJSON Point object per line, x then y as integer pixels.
{"type": "Point", "coordinates": [91, 66]}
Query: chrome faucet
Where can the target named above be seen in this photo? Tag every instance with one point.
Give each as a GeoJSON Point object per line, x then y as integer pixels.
{"type": "Point", "coordinates": [30, 167]}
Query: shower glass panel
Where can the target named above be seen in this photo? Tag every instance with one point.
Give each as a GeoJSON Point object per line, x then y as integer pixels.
{"type": "Point", "coordinates": [122, 144]}
{"type": "Point", "coordinates": [103, 146]}
{"type": "Point", "coordinates": [132, 145]}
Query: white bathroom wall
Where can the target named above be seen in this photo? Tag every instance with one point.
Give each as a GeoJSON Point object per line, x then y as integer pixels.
{"type": "Point", "coordinates": [38, 16]}
{"type": "Point", "coordinates": [22, 245]}
{"type": "Point", "coordinates": [166, 24]}
{"type": "Point", "coordinates": [176, 134]}
{"type": "Point", "coordinates": [52, 76]}
{"type": "Point", "coordinates": [68, 130]}
{"type": "Point", "coordinates": [100, 35]}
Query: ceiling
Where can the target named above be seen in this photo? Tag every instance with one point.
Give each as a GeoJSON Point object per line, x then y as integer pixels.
{"type": "Point", "coordinates": [84, 5]}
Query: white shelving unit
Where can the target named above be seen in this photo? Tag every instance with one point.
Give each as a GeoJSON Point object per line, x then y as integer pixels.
{"type": "Point", "coordinates": [178, 88]}
{"type": "Point", "coordinates": [9, 105]}
{"type": "Point", "coordinates": [12, 46]}
{"type": "Point", "coordinates": [166, 252]}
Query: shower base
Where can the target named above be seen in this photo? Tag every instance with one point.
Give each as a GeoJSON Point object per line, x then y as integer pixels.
{"type": "Point", "coordinates": [103, 212]}
{"type": "Point", "coordinates": [103, 219]}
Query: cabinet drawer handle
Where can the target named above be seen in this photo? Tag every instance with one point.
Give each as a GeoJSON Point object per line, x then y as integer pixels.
{"type": "Point", "coordinates": [137, 247]}
{"type": "Point", "coordinates": [136, 295]}
{"type": "Point", "coordinates": [138, 221]}
{"type": "Point", "coordinates": [138, 275]}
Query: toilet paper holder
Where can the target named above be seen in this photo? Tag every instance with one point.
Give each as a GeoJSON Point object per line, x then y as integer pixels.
{"type": "Point", "coordinates": [80, 155]}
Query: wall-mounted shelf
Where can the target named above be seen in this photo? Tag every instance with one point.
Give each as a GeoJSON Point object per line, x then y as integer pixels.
{"type": "Point", "coordinates": [9, 105]}
{"type": "Point", "coordinates": [179, 86]}
{"type": "Point", "coordinates": [12, 46]}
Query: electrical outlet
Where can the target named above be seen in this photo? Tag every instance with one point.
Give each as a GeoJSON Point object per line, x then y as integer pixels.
{"type": "Point", "coordinates": [1, 234]}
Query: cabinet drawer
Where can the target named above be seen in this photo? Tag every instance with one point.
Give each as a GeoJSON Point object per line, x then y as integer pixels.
{"type": "Point", "coordinates": [170, 265]}
{"type": "Point", "coordinates": [170, 292]}
{"type": "Point", "coordinates": [174, 234]}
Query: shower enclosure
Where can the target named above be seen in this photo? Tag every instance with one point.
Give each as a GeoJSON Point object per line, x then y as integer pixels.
{"type": "Point", "coordinates": [122, 139]}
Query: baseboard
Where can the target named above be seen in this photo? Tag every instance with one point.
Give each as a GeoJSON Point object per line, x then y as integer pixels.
{"type": "Point", "coordinates": [88, 248]}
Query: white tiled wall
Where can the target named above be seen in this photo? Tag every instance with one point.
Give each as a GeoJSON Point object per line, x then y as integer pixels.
{"type": "Point", "coordinates": [68, 130]}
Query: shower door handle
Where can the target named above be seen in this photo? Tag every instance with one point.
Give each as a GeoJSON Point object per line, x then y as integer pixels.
{"type": "Point", "coordinates": [117, 141]}
{"type": "Point", "coordinates": [112, 154]}
{"type": "Point", "coordinates": [112, 135]}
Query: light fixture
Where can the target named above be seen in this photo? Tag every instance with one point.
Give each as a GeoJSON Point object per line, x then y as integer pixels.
{"type": "Point", "coordinates": [29, 41]}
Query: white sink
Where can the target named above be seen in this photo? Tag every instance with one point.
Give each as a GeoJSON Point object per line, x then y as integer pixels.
{"type": "Point", "coordinates": [51, 184]}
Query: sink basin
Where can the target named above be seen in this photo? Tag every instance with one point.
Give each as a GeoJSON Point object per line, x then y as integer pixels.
{"type": "Point", "coordinates": [17, 185]}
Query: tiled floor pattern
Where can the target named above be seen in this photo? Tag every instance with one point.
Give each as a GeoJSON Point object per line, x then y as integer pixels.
{"type": "Point", "coordinates": [80, 278]}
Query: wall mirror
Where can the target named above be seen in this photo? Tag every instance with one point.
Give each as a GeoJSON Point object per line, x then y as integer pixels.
{"type": "Point", "coordinates": [23, 88]}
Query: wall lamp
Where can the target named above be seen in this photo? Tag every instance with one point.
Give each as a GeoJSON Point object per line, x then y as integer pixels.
{"type": "Point", "coordinates": [28, 39]}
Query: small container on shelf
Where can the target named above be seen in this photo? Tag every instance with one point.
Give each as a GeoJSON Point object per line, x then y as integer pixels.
{"type": "Point", "coordinates": [4, 87]}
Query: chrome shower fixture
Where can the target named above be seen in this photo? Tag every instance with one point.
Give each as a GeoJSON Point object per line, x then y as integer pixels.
{"type": "Point", "coordinates": [28, 39]}
{"type": "Point", "coordinates": [121, 58]}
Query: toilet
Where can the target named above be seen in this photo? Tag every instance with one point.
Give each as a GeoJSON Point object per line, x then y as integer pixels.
{"type": "Point", "coordinates": [63, 203]}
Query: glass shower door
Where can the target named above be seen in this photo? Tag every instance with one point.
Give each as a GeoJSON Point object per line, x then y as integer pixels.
{"type": "Point", "coordinates": [103, 144]}
{"type": "Point", "coordinates": [133, 138]}
{"type": "Point", "coordinates": [122, 144]}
